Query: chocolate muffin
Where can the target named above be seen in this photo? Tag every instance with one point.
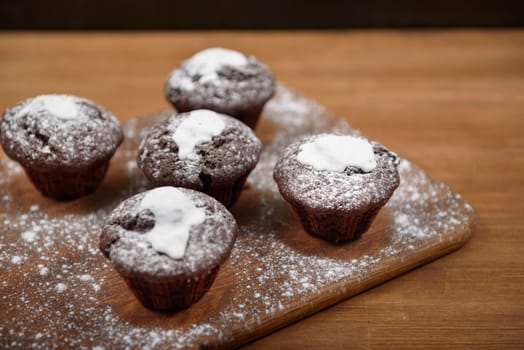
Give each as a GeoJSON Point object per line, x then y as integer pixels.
{"type": "Point", "coordinates": [222, 80]}
{"type": "Point", "coordinates": [336, 183]}
{"type": "Point", "coordinates": [168, 245]}
{"type": "Point", "coordinates": [202, 150]}
{"type": "Point", "coordinates": [63, 142]}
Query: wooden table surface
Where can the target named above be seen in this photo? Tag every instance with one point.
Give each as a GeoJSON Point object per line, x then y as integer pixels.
{"type": "Point", "coordinates": [450, 101]}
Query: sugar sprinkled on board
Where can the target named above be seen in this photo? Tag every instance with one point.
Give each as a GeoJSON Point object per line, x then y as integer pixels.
{"type": "Point", "coordinates": [60, 287]}
{"type": "Point", "coordinates": [63, 278]}
{"type": "Point", "coordinates": [42, 270]}
{"type": "Point", "coordinates": [16, 259]}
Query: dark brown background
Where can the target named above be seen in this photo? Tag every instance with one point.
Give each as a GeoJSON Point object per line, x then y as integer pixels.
{"type": "Point", "coordinates": [238, 14]}
{"type": "Point", "coordinates": [451, 101]}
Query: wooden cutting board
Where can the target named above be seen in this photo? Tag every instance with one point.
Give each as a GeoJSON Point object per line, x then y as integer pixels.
{"type": "Point", "coordinates": [58, 291]}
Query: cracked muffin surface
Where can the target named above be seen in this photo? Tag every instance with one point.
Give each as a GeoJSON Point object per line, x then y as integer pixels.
{"type": "Point", "coordinates": [56, 131]}
{"type": "Point", "coordinates": [63, 142]}
{"type": "Point", "coordinates": [223, 80]}
{"type": "Point", "coordinates": [217, 163]}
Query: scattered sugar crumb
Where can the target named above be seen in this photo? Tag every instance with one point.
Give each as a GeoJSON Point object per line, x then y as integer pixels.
{"type": "Point", "coordinates": [42, 270]}
{"type": "Point", "coordinates": [16, 259]}
{"type": "Point", "coordinates": [60, 287]}
{"type": "Point", "coordinates": [29, 236]}
{"type": "Point", "coordinates": [85, 277]}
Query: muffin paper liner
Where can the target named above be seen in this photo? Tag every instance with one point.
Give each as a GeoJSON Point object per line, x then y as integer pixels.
{"type": "Point", "coordinates": [228, 196]}
{"type": "Point", "coordinates": [178, 293]}
{"type": "Point", "coordinates": [336, 228]}
{"type": "Point", "coordinates": [70, 184]}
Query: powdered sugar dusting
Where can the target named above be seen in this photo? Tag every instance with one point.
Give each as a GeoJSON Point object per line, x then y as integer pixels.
{"type": "Point", "coordinates": [126, 238]}
{"type": "Point", "coordinates": [205, 64]}
{"type": "Point", "coordinates": [61, 106]}
{"type": "Point", "coordinates": [200, 126]}
{"type": "Point", "coordinates": [174, 215]}
{"type": "Point", "coordinates": [221, 156]}
{"type": "Point", "coordinates": [52, 266]}
{"type": "Point", "coordinates": [203, 67]}
{"type": "Point", "coordinates": [51, 131]}
{"type": "Point", "coordinates": [346, 191]}
{"type": "Point", "coordinates": [337, 152]}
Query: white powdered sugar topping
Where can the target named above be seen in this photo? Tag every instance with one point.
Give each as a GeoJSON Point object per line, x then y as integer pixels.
{"type": "Point", "coordinates": [57, 131]}
{"type": "Point", "coordinates": [60, 106]}
{"type": "Point", "coordinates": [175, 214]}
{"type": "Point", "coordinates": [348, 190]}
{"type": "Point", "coordinates": [206, 63]}
{"type": "Point", "coordinates": [198, 127]}
{"type": "Point", "coordinates": [337, 152]}
{"type": "Point", "coordinates": [203, 67]}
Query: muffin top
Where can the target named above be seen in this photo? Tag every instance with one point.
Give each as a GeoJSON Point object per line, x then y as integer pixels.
{"type": "Point", "coordinates": [168, 232]}
{"type": "Point", "coordinates": [219, 79]}
{"type": "Point", "coordinates": [57, 131]}
{"type": "Point", "coordinates": [337, 173]}
{"type": "Point", "coordinates": [199, 149]}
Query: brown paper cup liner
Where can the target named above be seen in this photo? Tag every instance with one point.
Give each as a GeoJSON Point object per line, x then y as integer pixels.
{"type": "Point", "coordinates": [68, 184]}
{"type": "Point", "coordinates": [250, 116]}
{"type": "Point", "coordinates": [336, 228]}
{"type": "Point", "coordinates": [176, 294]}
{"type": "Point", "coordinates": [228, 196]}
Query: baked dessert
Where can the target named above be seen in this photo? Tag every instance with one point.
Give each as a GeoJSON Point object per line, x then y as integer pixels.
{"type": "Point", "coordinates": [223, 80]}
{"type": "Point", "coordinates": [336, 183]}
{"type": "Point", "coordinates": [63, 142]}
{"type": "Point", "coordinates": [168, 245]}
{"type": "Point", "coordinates": [202, 150]}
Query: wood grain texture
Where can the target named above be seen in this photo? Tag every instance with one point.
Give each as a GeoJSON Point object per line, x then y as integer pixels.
{"type": "Point", "coordinates": [450, 101]}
